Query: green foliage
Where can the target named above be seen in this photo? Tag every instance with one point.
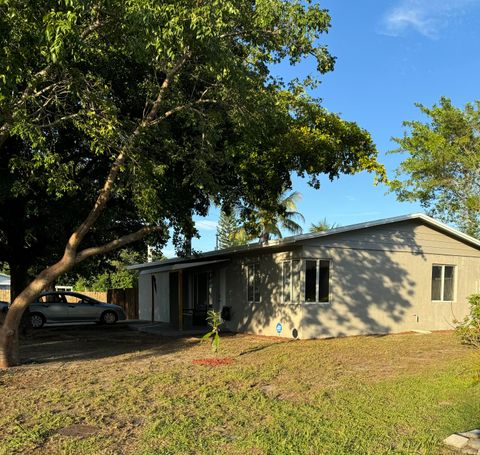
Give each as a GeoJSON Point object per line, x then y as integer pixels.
{"type": "Point", "coordinates": [214, 321]}
{"type": "Point", "coordinates": [323, 225]}
{"type": "Point", "coordinates": [227, 230]}
{"type": "Point", "coordinates": [81, 284]}
{"type": "Point", "coordinates": [81, 80]}
{"type": "Point", "coordinates": [469, 329]}
{"type": "Point", "coordinates": [265, 223]}
{"type": "Point", "coordinates": [443, 164]}
{"type": "Point", "coordinates": [110, 274]}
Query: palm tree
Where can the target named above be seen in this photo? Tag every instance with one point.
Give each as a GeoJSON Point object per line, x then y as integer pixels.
{"type": "Point", "coordinates": [271, 224]}
{"type": "Point", "coordinates": [323, 225]}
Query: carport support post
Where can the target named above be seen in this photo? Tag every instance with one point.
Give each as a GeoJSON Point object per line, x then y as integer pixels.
{"type": "Point", "coordinates": [180, 300]}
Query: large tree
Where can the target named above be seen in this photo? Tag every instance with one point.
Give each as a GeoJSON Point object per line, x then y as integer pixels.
{"type": "Point", "coordinates": [37, 214]}
{"type": "Point", "coordinates": [442, 167]}
{"type": "Point", "coordinates": [177, 103]}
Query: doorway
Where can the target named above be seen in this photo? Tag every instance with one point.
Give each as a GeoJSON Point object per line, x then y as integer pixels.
{"type": "Point", "coordinates": [201, 292]}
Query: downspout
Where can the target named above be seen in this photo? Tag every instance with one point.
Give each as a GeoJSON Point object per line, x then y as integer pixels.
{"type": "Point", "coordinates": [154, 290]}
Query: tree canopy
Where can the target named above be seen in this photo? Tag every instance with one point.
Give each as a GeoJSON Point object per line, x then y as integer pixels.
{"type": "Point", "coordinates": [442, 167]}
{"type": "Point", "coordinates": [163, 107]}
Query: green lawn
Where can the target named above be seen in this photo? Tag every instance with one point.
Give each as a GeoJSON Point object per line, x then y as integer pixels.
{"type": "Point", "coordinates": [143, 395]}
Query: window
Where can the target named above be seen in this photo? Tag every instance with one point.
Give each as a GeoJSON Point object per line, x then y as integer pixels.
{"type": "Point", "coordinates": [290, 281]}
{"type": "Point", "coordinates": [443, 283]}
{"type": "Point", "coordinates": [317, 281]}
{"type": "Point", "coordinates": [52, 298]}
{"type": "Point", "coordinates": [253, 279]}
{"type": "Point", "coordinates": [310, 281]}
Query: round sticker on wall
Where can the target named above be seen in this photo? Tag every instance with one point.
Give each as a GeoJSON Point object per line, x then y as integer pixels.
{"type": "Point", "coordinates": [279, 327]}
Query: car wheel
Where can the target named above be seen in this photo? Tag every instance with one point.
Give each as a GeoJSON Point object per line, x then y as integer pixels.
{"type": "Point", "coordinates": [109, 317]}
{"type": "Point", "coordinates": [37, 320]}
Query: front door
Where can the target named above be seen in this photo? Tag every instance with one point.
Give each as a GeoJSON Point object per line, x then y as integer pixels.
{"type": "Point", "coordinates": [201, 297]}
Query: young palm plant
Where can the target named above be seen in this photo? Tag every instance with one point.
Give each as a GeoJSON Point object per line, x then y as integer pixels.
{"type": "Point", "coordinates": [214, 321]}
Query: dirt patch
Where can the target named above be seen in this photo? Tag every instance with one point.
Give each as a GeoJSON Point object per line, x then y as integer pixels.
{"type": "Point", "coordinates": [78, 430]}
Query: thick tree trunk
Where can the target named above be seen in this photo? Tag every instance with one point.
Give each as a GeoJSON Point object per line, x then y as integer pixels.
{"type": "Point", "coordinates": [9, 347]}
{"type": "Point", "coordinates": [9, 332]}
{"type": "Point", "coordinates": [18, 278]}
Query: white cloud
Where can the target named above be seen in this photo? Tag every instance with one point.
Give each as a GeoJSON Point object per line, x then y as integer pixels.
{"type": "Point", "coordinates": [426, 17]}
{"type": "Point", "coordinates": [206, 225]}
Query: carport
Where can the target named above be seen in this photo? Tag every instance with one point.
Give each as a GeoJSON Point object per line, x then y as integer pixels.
{"type": "Point", "coordinates": [180, 294]}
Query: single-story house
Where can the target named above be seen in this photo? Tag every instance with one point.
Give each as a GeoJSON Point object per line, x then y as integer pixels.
{"type": "Point", "coordinates": [392, 275]}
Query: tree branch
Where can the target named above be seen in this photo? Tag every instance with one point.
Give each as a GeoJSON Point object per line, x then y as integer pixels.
{"type": "Point", "coordinates": [57, 121]}
{"type": "Point", "coordinates": [43, 73]}
{"type": "Point", "coordinates": [181, 108]}
{"type": "Point", "coordinates": [90, 29]}
{"type": "Point", "coordinates": [106, 191]}
{"type": "Point", "coordinates": [163, 88]}
{"type": "Point", "coordinates": [117, 243]}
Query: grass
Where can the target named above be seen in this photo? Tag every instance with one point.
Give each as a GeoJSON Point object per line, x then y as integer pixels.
{"type": "Point", "coordinates": [364, 395]}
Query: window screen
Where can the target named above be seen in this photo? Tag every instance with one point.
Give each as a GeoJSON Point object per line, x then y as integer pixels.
{"type": "Point", "coordinates": [310, 281]}
{"type": "Point", "coordinates": [324, 282]}
{"type": "Point", "coordinates": [443, 283]}
{"type": "Point", "coordinates": [437, 282]}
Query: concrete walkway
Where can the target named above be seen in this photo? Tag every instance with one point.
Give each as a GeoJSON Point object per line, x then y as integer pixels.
{"type": "Point", "coordinates": [165, 330]}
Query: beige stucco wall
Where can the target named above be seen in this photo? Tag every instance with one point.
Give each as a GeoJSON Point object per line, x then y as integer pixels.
{"type": "Point", "coordinates": [380, 283]}
{"type": "Point", "coordinates": [262, 317]}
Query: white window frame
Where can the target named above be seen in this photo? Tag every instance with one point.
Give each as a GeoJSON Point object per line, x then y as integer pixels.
{"type": "Point", "coordinates": [255, 286]}
{"type": "Point", "coordinates": [442, 282]}
{"type": "Point", "coordinates": [317, 280]}
{"type": "Point", "coordinates": [295, 272]}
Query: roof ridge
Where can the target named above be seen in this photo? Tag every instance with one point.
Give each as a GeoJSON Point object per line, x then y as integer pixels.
{"type": "Point", "coordinates": [312, 235]}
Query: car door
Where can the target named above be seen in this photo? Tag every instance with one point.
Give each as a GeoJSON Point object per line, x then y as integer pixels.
{"type": "Point", "coordinates": [53, 306]}
{"type": "Point", "coordinates": [82, 308]}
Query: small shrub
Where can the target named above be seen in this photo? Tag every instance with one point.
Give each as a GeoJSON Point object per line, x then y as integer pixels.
{"type": "Point", "coordinates": [214, 321]}
{"type": "Point", "coordinates": [469, 329]}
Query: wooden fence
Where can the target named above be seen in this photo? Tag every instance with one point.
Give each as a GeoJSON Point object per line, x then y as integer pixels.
{"type": "Point", "coordinates": [4, 295]}
{"type": "Point", "coordinates": [127, 299]}
{"type": "Point", "coordinates": [101, 296]}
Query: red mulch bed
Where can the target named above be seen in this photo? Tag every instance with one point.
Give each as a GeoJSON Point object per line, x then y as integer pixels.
{"type": "Point", "coordinates": [214, 362]}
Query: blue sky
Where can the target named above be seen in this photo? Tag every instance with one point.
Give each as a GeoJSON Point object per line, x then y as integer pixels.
{"type": "Point", "coordinates": [390, 55]}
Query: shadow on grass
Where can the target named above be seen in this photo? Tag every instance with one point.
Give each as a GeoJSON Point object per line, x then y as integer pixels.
{"type": "Point", "coordinates": [90, 342]}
